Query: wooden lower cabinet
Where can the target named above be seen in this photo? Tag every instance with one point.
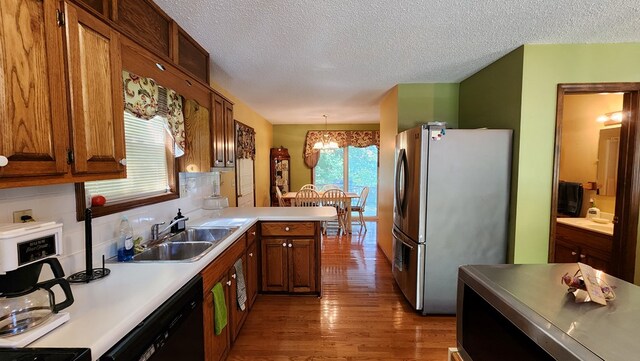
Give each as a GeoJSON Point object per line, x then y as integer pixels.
{"type": "Point", "coordinates": [574, 244]}
{"type": "Point", "coordinates": [252, 274]}
{"type": "Point", "coordinates": [290, 257]}
{"type": "Point", "coordinates": [223, 271]}
{"type": "Point", "coordinates": [236, 314]}
{"type": "Point", "coordinates": [216, 347]}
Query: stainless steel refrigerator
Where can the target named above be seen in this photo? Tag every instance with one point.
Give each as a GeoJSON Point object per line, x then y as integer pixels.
{"type": "Point", "coordinates": [451, 208]}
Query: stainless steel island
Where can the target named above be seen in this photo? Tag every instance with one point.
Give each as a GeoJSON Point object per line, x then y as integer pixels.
{"type": "Point", "coordinates": [523, 312]}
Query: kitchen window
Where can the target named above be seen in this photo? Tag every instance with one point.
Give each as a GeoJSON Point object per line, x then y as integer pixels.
{"type": "Point", "coordinates": [154, 136]}
{"type": "Point", "coordinates": [148, 152]}
{"type": "Point", "coordinates": [350, 168]}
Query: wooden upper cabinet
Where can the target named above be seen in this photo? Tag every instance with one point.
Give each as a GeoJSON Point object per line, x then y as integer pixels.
{"type": "Point", "coordinates": [101, 6]}
{"type": "Point", "coordinates": [95, 73]}
{"type": "Point", "coordinates": [222, 133]}
{"type": "Point", "coordinates": [33, 128]}
{"type": "Point", "coordinates": [230, 136]}
{"type": "Point", "coordinates": [191, 56]}
{"type": "Point", "coordinates": [217, 131]}
{"type": "Point", "coordinates": [145, 22]}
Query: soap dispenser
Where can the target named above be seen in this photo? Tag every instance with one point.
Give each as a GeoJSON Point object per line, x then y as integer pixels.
{"type": "Point", "coordinates": [593, 212]}
{"type": "Point", "coordinates": [180, 225]}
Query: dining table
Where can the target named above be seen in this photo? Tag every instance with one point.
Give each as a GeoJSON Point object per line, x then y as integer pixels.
{"type": "Point", "coordinates": [290, 196]}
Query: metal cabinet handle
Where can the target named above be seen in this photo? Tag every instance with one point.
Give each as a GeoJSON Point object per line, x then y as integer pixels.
{"type": "Point", "coordinates": [3, 160]}
{"type": "Point", "coordinates": [573, 253]}
{"type": "Point", "coordinates": [228, 283]}
{"type": "Point", "coordinates": [229, 162]}
{"type": "Point", "coordinates": [123, 161]}
{"type": "Point", "coordinates": [253, 233]}
{"type": "Point", "coordinates": [233, 276]}
{"type": "Point", "coordinates": [287, 229]}
{"type": "Point", "coordinates": [290, 245]}
{"type": "Point", "coordinates": [284, 244]}
{"type": "Point", "coordinates": [251, 254]}
{"type": "Point", "coordinates": [218, 161]}
{"type": "Point", "coordinates": [583, 256]}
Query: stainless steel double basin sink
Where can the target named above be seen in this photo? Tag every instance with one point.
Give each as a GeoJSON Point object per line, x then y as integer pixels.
{"type": "Point", "coordinates": [187, 246]}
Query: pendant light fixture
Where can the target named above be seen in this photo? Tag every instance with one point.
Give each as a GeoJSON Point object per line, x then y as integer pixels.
{"type": "Point", "coordinates": [326, 143]}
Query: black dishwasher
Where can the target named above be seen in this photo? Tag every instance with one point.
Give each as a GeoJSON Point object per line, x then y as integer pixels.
{"type": "Point", "coordinates": [172, 332]}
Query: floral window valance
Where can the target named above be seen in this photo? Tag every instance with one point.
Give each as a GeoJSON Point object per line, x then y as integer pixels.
{"type": "Point", "coordinates": [145, 99]}
{"type": "Point", "coordinates": [344, 138]}
{"type": "Point", "coordinates": [246, 138]}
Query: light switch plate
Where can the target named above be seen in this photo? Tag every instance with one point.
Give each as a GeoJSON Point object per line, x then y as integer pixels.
{"type": "Point", "coordinates": [18, 214]}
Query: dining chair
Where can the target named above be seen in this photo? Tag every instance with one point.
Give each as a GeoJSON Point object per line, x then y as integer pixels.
{"type": "Point", "coordinates": [337, 198]}
{"type": "Point", "coordinates": [327, 187]}
{"type": "Point", "coordinates": [360, 207]}
{"type": "Point", "coordinates": [308, 186]}
{"type": "Point", "coordinates": [279, 196]}
{"type": "Point", "coordinates": [306, 198]}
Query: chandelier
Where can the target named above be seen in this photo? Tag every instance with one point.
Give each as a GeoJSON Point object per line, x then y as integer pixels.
{"type": "Point", "coordinates": [326, 143]}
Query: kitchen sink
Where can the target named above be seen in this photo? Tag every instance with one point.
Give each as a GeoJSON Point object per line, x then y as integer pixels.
{"type": "Point", "coordinates": [174, 251]}
{"type": "Point", "coordinates": [187, 246]}
{"type": "Point", "coordinates": [203, 234]}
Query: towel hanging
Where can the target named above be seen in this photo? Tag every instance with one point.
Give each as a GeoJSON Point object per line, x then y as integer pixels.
{"type": "Point", "coordinates": [219, 309]}
{"type": "Point", "coordinates": [240, 285]}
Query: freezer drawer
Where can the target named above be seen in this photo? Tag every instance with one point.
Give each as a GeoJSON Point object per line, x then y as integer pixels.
{"type": "Point", "coordinates": [408, 267]}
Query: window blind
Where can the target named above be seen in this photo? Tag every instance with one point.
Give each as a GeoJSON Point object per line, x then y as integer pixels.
{"type": "Point", "coordinates": [145, 142]}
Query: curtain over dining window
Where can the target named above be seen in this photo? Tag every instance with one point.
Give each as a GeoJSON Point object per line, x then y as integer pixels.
{"type": "Point", "coordinates": [344, 138]}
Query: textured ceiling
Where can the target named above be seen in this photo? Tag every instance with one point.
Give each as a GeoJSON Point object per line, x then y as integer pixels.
{"type": "Point", "coordinates": [293, 61]}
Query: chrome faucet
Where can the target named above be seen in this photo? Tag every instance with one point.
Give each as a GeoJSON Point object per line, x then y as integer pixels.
{"type": "Point", "coordinates": [156, 232]}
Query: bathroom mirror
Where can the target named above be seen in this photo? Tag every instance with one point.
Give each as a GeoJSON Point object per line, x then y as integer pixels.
{"type": "Point", "coordinates": [608, 149]}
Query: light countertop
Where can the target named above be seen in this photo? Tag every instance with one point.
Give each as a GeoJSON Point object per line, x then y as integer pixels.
{"type": "Point", "coordinates": [106, 310]}
{"type": "Point", "coordinates": [589, 225]}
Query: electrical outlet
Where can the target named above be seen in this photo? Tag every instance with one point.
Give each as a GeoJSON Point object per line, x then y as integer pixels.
{"type": "Point", "coordinates": [18, 214]}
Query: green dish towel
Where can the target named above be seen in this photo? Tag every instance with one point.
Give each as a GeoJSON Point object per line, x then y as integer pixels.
{"type": "Point", "coordinates": [219, 309]}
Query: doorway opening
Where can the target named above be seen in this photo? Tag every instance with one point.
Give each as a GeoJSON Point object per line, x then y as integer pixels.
{"type": "Point", "coordinates": [596, 178]}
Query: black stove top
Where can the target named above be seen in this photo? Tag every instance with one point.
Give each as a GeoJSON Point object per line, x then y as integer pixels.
{"type": "Point", "coordinates": [45, 354]}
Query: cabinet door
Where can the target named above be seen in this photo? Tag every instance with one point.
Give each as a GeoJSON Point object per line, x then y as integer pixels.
{"type": "Point", "coordinates": [218, 131]}
{"type": "Point", "coordinates": [274, 265]}
{"type": "Point", "coordinates": [302, 265]}
{"type": "Point", "coordinates": [215, 346]}
{"type": "Point", "coordinates": [598, 260]}
{"type": "Point", "coordinates": [252, 273]}
{"type": "Point", "coordinates": [237, 315]}
{"type": "Point", "coordinates": [230, 136]}
{"type": "Point", "coordinates": [95, 73]}
{"type": "Point", "coordinates": [566, 252]}
{"type": "Point", "coordinates": [33, 120]}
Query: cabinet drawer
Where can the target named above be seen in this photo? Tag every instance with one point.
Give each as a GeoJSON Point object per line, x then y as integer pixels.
{"type": "Point", "coordinates": [252, 234]}
{"type": "Point", "coordinates": [287, 229]}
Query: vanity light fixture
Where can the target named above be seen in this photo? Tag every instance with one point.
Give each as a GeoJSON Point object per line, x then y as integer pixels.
{"type": "Point", "coordinates": [326, 143]}
{"type": "Point", "coordinates": [612, 118]}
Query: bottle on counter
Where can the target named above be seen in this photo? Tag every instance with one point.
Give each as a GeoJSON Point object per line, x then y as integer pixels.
{"type": "Point", "coordinates": [125, 242]}
{"type": "Point", "coordinates": [593, 212]}
{"type": "Point", "coordinates": [179, 226]}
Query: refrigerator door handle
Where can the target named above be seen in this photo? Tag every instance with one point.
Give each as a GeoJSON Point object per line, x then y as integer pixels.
{"type": "Point", "coordinates": [400, 237]}
{"type": "Point", "coordinates": [401, 177]}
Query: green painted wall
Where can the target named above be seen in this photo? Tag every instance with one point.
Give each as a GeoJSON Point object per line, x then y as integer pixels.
{"type": "Point", "coordinates": [422, 103]}
{"type": "Point", "coordinates": [546, 66]}
{"type": "Point", "coordinates": [292, 137]}
{"type": "Point", "coordinates": [543, 68]}
{"type": "Point", "coordinates": [492, 98]}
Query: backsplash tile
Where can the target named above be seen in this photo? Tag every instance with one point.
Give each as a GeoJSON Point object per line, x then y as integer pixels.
{"type": "Point", "coordinates": [57, 203]}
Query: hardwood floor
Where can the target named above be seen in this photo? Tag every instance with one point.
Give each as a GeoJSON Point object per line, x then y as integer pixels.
{"type": "Point", "coordinates": [361, 316]}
